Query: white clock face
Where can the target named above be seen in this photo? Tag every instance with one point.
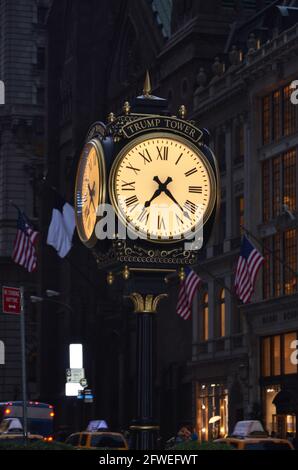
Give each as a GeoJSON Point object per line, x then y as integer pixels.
{"type": "Point", "coordinates": [163, 187]}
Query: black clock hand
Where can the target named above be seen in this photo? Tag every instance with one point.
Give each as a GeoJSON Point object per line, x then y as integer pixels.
{"type": "Point", "coordinates": [155, 195]}
{"type": "Point", "coordinates": [91, 194]}
{"type": "Point", "coordinates": [162, 187]}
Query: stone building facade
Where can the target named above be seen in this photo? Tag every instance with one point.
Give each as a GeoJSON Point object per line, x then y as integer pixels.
{"type": "Point", "coordinates": [246, 106]}
{"type": "Point", "coordinates": [22, 69]}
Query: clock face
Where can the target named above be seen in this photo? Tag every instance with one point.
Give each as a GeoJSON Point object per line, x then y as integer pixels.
{"type": "Point", "coordinates": [162, 187]}
{"type": "Point", "coordinates": [90, 189]}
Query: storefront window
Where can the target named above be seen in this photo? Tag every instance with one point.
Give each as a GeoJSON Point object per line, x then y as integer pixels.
{"type": "Point", "coordinates": [212, 411]}
{"type": "Point", "coordinates": [266, 357]}
{"type": "Point", "coordinates": [269, 393]}
{"type": "Point", "coordinates": [277, 425]}
{"type": "Point", "coordinates": [277, 354]}
{"type": "Point", "coordinates": [289, 367]}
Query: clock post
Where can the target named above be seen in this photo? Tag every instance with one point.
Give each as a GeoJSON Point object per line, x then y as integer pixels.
{"type": "Point", "coordinates": [144, 429]}
{"type": "Point", "coordinates": [160, 178]}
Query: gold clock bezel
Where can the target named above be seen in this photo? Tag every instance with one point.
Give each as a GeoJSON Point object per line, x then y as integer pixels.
{"type": "Point", "coordinates": [112, 189]}
{"type": "Point", "coordinates": [95, 142]}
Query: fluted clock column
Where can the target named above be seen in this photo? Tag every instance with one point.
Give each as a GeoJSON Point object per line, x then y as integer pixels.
{"type": "Point", "coordinates": [144, 429]}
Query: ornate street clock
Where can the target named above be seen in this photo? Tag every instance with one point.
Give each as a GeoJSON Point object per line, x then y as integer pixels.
{"type": "Point", "coordinates": [90, 190]}
{"type": "Point", "coordinates": [162, 184]}
{"type": "Point", "coordinates": [163, 187]}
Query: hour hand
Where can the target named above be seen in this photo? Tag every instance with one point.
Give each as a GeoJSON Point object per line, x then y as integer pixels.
{"type": "Point", "coordinates": [155, 195]}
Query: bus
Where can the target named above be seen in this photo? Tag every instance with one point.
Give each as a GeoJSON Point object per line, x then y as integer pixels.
{"type": "Point", "coordinates": [40, 416]}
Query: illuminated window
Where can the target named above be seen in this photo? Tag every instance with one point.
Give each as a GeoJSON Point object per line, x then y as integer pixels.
{"type": "Point", "coordinates": [276, 354]}
{"type": "Point", "coordinates": [266, 191]}
{"type": "Point", "coordinates": [266, 268]}
{"type": "Point", "coordinates": [290, 258]}
{"type": "Point", "coordinates": [279, 184]}
{"type": "Point", "coordinates": [211, 411]}
{"type": "Point", "coordinates": [205, 323]}
{"type": "Point", "coordinates": [289, 112]}
{"type": "Point", "coordinates": [277, 266]}
{"type": "Point", "coordinates": [266, 119]}
{"type": "Point", "coordinates": [266, 366]}
{"type": "Point", "coordinates": [278, 115]}
{"type": "Point", "coordinates": [289, 179]}
{"type": "Point", "coordinates": [222, 314]}
{"type": "Point", "coordinates": [276, 189]}
{"type": "Point", "coordinates": [281, 264]}
{"type": "Point", "coordinates": [289, 367]}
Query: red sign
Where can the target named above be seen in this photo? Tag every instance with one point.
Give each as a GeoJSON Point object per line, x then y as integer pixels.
{"type": "Point", "coordinates": [11, 300]}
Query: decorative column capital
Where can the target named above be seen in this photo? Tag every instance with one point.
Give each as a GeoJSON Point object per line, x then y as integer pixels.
{"type": "Point", "coordinates": [146, 303]}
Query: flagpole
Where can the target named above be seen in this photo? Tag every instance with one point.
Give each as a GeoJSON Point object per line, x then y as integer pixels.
{"type": "Point", "coordinates": [24, 375]}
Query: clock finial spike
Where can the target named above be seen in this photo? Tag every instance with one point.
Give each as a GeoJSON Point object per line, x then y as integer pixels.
{"type": "Point", "coordinates": [147, 85]}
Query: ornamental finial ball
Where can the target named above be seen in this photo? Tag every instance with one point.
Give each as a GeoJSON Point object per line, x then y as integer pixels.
{"type": "Point", "coordinates": [181, 274]}
{"type": "Point", "coordinates": [126, 107]}
{"type": "Point", "coordinates": [110, 278]}
{"type": "Point", "coordinates": [111, 117]}
{"type": "Point", "coordinates": [182, 111]}
{"type": "Point", "coordinates": [126, 273]}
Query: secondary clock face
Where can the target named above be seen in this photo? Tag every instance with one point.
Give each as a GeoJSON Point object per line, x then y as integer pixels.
{"type": "Point", "coordinates": [90, 189]}
{"type": "Point", "coordinates": [162, 187]}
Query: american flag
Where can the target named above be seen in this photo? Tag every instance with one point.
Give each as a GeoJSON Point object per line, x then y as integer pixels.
{"type": "Point", "coordinates": [187, 291]}
{"type": "Point", "coordinates": [249, 262]}
{"type": "Point", "coordinates": [24, 249]}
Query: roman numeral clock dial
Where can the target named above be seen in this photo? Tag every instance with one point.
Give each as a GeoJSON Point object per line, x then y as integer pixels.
{"type": "Point", "coordinates": [89, 190]}
{"type": "Point", "coordinates": [162, 186]}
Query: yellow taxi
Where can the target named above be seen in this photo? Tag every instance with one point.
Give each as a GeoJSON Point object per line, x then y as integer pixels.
{"type": "Point", "coordinates": [18, 437]}
{"type": "Point", "coordinates": [97, 440]}
{"type": "Point", "coordinates": [256, 443]}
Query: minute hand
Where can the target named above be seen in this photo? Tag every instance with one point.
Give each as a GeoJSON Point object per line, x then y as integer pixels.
{"type": "Point", "coordinates": [170, 195]}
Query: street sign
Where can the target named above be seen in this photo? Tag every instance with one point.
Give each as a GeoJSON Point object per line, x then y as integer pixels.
{"type": "Point", "coordinates": [75, 375]}
{"type": "Point", "coordinates": [83, 382]}
{"type": "Point", "coordinates": [80, 394]}
{"type": "Point", "coordinates": [88, 396]}
{"type": "Point", "coordinates": [11, 300]}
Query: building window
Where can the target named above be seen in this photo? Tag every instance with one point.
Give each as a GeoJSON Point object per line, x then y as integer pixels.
{"type": "Point", "coordinates": [205, 318]}
{"type": "Point", "coordinates": [239, 215]}
{"type": "Point", "coordinates": [40, 58]}
{"type": "Point", "coordinates": [276, 354]}
{"type": "Point", "coordinates": [222, 314]}
{"type": "Point", "coordinates": [279, 184]}
{"type": "Point", "coordinates": [239, 144]}
{"type": "Point", "coordinates": [211, 402]}
{"type": "Point", "coordinates": [280, 266]}
{"type": "Point", "coordinates": [41, 15]}
{"type": "Point", "coordinates": [221, 151]}
{"type": "Point", "coordinates": [279, 117]}
{"type": "Point", "coordinates": [266, 120]}
{"type": "Point", "coordinates": [40, 96]}
{"type": "Point", "coordinates": [223, 223]}
{"type": "Point", "coordinates": [266, 372]}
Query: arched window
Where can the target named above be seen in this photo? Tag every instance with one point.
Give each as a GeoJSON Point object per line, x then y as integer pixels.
{"type": "Point", "coordinates": [205, 318]}
{"type": "Point", "coordinates": [222, 313]}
